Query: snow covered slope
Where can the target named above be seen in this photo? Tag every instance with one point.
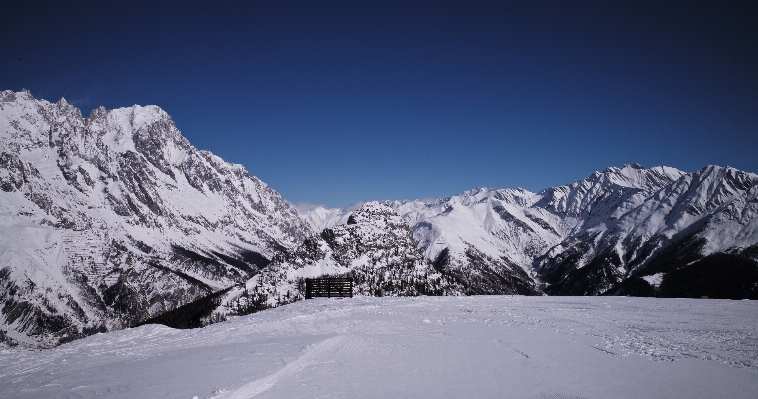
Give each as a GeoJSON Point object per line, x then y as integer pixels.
{"type": "Point", "coordinates": [321, 218]}
{"type": "Point", "coordinates": [422, 347]}
{"type": "Point", "coordinates": [112, 219]}
{"type": "Point", "coordinates": [611, 232]}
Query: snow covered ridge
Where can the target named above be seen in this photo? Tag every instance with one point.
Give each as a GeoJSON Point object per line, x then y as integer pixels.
{"type": "Point", "coordinates": [609, 233]}
{"type": "Point", "coordinates": [114, 218]}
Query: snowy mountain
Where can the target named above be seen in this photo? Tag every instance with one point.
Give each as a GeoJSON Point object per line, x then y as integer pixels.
{"type": "Point", "coordinates": [111, 219]}
{"type": "Point", "coordinates": [375, 247]}
{"type": "Point", "coordinates": [116, 219]}
{"type": "Point", "coordinates": [694, 236]}
{"type": "Point", "coordinates": [321, 218]}
{"type": "Point", "coordinates": [626, 230]}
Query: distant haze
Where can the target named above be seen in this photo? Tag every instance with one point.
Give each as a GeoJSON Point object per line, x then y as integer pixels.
{"type": "Point", "coordinates": [335, 103]}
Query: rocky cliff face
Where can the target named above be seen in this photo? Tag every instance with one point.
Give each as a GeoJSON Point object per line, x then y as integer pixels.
{"type": "Point", "coordinates": [111, 219]}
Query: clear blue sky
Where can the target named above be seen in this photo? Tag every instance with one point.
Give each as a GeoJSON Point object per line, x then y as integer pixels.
{"type": "Point", "coordinates": [339, 102]}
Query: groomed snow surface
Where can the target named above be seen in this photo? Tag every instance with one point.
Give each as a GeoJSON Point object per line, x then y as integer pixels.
{"type": "Point", "coordinates": [422, 347]}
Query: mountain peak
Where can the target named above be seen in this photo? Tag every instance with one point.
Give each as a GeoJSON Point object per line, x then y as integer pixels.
{"type": "Point", "coordinates": [122, 208]}
{"type": "Point", "coordinates": [376, 214]}
{"type": "Point", "coordinates": [10, 95]}
{"type": "Point", "coordinates": [633, 166]}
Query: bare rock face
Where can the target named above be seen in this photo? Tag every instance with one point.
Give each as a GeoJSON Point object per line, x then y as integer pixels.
{"type": "Point", "coordinates": [114, 218]}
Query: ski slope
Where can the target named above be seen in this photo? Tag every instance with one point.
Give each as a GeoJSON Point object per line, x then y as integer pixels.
{"type": "Point", "coordinates": [417, 347]}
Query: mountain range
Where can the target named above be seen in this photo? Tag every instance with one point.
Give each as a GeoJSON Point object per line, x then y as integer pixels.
{"type": "Point", "coordinates": [622, 231]}
{"type": "Point", "coordinates": [115, 219]}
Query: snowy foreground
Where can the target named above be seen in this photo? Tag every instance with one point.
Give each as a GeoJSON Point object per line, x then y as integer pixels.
{"type": "Point", "coordinates": [486, 346]}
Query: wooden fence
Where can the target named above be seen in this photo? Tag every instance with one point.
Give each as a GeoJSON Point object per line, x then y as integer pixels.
{"type": "Point", "coordinates": [336, 287]}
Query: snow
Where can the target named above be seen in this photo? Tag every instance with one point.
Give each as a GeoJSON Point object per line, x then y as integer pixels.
{"type": "Point", "coordinates": [654, 280]}
{"type": "Point", "coordinates": [486, 346]}
{"type": "Point", "coordinates": [320, 218]}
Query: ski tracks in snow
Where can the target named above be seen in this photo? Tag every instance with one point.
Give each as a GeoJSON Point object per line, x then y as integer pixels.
{"type": "Point", "coordinates": [498, 346]}
{"type": "Point", "coordinates": [319, 360]}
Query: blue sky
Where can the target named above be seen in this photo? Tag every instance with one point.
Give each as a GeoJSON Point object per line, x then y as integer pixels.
{"type": "Point", "coordinates": [338, 102]}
